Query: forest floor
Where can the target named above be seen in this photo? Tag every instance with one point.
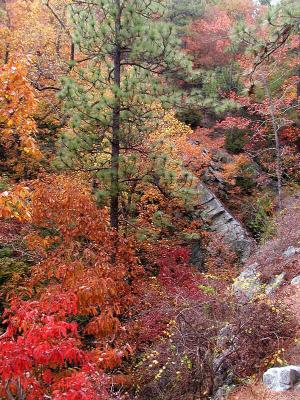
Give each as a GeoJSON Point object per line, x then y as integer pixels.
{"type": "Point", "coordinates": [272, 261]}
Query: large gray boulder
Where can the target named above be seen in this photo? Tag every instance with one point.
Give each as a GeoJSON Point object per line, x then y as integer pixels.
{"type": "Point", "coordinates": [281, 378]}
{"type": "Point", "coordinates": [223, 223]}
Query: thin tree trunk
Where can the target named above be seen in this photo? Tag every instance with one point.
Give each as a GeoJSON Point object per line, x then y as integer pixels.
{"type": "Point", "coordinates": [3, 5]}
{"type": "Point", "coordinates": [72, 51]}
{"type": "Point", "coordinates": [115, 144]}
{"type": "Point", "coordinates": [6, 54]}
{"type": "Point", "coordinates": [298, 85]}
{"type": "Point", "coordinates": [298, 75]}
{"type": "Point", "coordinates": [277, 145]}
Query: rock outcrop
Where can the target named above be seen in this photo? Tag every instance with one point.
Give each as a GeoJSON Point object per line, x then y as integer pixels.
{"type": "Point", "coordinates": [275, 283]}
{"type": "Point", "coordinates": [296, 280]}
{"type": "Point", "coordinates": [282, 378]}
{"type": "Point", "coordinates": [248, 284]}
{"type": "Point", "coordinates": [291, 251]}
{"type": "Point", "coordinates": [223, 375]}
{"type": "Point", "coordinates": [223, 223]}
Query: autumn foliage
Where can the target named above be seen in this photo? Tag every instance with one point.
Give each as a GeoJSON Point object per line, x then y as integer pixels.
{"type": "Point", "coordinates": [114, 285]}
{"type": "Point", "coordinates": [209, 38]}
{"type": "Point", "coordinates": [18, 105]}
{"type": "Point", "coordinates": [91, 276]}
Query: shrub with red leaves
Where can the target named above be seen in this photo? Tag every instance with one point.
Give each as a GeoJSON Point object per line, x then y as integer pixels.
{"type": "Point", "coordinates": [176, 276]}
{"type": "Point", "coordinates": [41, 353]}
{"type": "Point", "coordinates": [86, 275]}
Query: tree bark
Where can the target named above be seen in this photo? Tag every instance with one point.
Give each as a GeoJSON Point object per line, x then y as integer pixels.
{"type": "Point", "coordinates": [277, 145]}
{"type": "Point", "coordinates": [298, 84]}
{"type": "Point", "coordinates": [115, 143]}
{"type": "Point", "coordinates": [3, 5]}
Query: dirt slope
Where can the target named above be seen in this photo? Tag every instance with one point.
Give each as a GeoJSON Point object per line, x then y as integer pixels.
{"type": "Point", "coordinates": [272, 261]}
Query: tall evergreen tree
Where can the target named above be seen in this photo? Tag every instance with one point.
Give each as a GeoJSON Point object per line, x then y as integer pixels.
{"type": "Point", "coordinates": [127, 53]}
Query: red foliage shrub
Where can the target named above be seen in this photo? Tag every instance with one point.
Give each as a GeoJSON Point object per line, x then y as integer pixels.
{"type": "Point", "coordinates": [39, 344]}
{"type": "Point", "coordinates": [87, 275]}
{"type": "Point", "coordinates": [176, 276]}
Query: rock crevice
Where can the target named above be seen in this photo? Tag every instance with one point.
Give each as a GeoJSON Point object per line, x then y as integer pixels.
{"type": "Point", "coordinates": [214, 213]}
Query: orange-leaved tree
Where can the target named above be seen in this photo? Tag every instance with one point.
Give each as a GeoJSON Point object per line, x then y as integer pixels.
{"type": "Point", "coordinates": [70, 325]}
{"type": "Point", "coordinates": [17, 107]}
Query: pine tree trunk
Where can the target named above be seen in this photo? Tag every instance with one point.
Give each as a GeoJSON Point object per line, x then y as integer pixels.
{"type": "Point", "coordinates": [115, 144]}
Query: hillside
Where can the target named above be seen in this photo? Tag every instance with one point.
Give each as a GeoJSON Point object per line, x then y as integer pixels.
{"type": "Point", "coordinates": [274, 259]}
{"type": "Point", "coordinates": [149, 199]}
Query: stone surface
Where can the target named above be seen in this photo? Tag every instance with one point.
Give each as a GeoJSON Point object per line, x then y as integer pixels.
{"type": "Point", "coordinates": [297, 387]}
{"type": "Point", "coordinates": [223, 392]}
{"type": "Point", "coordinates": [291, 251]}
{"type": "Point", "coordinates": [223, 377]}
{"type": "Point", "coordinates": [197, 256]}
{"type": "Point", "coordinates": [296, 280]}
{"type": "Point", "coordinates": [224, 336]}
{"type": "Point", "coordinates": [281, 378]}
{"type": "Point", "coordinates": [222, 369]}
{"type": "Point", "coordinates": [275, 283]}
{"type": "Point", "coordinates": [247, 284]}
{"type": "Point", "coordinates": [222, 222]}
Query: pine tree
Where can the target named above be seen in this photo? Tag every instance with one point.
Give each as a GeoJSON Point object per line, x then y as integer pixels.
{"type": "Point", "coordinates": [128, 52]}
